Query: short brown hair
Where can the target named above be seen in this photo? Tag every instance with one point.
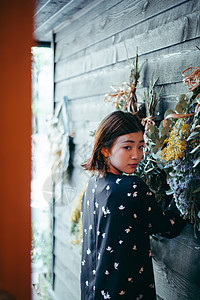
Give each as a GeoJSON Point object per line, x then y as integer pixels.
{"type": "Point", "coordinates": [114, 125]}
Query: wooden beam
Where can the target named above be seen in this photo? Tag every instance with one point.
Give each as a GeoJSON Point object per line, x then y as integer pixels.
{"type": "Point", "coordinates": [56, 14]}
{"type": "Point", "coordinates": [43, 44]}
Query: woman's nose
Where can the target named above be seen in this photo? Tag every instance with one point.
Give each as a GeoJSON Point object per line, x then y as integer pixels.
{"type": "Point", "coordinates": [134, 154]}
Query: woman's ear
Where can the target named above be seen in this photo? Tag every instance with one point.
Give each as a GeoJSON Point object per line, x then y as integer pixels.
{"type": "Point", "coordinates": [104, 151]}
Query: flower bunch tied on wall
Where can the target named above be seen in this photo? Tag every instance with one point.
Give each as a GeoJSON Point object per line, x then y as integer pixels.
{"type": "Point", "coordinates": [176, 145]}
{"type": "Point", "coordinates": [124, 98]}
{"type": "Point", "coordinates": [171, 164]}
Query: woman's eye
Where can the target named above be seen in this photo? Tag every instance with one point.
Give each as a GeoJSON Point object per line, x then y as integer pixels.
{"type": "Point", "coordinates": [141, 147]}
{"type": "Point", "coordinates": [127, 147]}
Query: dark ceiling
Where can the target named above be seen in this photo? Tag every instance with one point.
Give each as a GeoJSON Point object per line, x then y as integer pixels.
{"type": "Point", "coordinates": [50, 14]}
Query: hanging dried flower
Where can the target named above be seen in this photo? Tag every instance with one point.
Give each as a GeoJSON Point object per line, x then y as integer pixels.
{"type": "Point", "coordinates": [192, 80]}
{"type": "Point", "coordinates": [124, 97]}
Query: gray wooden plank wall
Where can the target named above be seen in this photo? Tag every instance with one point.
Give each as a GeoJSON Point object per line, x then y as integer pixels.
{"type": "Point", "coordinates": [90, 56]}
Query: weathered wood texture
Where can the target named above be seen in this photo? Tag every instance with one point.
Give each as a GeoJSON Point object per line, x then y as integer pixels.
{"type": "Point", "coordinates": [176, 266]}
{"type": "Point", "coordinates": [68, 260]}
{"type": "Point", "coordinates": [50, 13]}
{"type": "Point", "coordinates": [90, 56]}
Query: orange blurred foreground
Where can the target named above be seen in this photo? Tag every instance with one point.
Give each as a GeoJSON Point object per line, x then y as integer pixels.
{"type": "Point", "coordinates": [16, 22]}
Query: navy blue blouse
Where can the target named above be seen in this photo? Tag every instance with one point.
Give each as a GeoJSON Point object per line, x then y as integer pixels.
{"type": "Point", "coordinates": [119, 213]}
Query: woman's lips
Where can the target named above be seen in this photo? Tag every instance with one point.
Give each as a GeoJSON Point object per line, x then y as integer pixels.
{"type": "Point", "coordinates": [133, 165]}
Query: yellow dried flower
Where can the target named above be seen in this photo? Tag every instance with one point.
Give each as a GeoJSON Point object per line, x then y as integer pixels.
{"type": "Point", "coordinates": [176, 142]}
{"type": "Point", "coordinates": [76, 211]}
{"type": "Point", "coordinates": [76, 219]}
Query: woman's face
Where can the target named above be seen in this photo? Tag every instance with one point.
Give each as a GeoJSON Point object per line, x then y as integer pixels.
{"type": "Point", "coordinates": [126, 153]}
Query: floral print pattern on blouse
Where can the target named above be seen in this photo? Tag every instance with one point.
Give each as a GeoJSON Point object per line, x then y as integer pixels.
{"type": "Point", "coordinates": [118, 215]}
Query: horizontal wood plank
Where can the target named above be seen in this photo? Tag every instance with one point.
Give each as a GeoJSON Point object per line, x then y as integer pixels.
{"type": "Point", "coordinates": [171, 285]}
{"type": "Point", "coordinates": [180, 254]}
{"type": "Point", "coordinates": [66, 287]}
{"type": "Point", "coordinates": [167, 69]}
{"type": "Point", "coordinates": [91, 12]}
{"type": "Point", "coordinates": [123, 18]}
{"type": "Point", "coordinates": [52, 13]}
{"type": "Point", "coordinates": [146, 39]}
{"type": "Point", "coordinates": [148, 42]}
{"type": "Point", "coordinates": [63, 252]}
{"type": "Point", "coordinates": [93, 109]}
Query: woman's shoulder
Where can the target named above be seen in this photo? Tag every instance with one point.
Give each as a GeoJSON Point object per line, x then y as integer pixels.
{"type": "Point", "coordinates": [125, 180]}
{"type": "Point", "coordinates": [116, 179]}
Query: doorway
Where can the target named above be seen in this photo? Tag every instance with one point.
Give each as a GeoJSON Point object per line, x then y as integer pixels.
{"type": "Point", "coordinates": [41, 189]}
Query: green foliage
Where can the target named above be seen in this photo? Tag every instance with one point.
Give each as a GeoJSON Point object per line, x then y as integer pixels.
{"type": "Point", "coordinates": [41, 247]}
{"type": "Point", "coordinates": [176, 145]}
{"type": "Point", "coordinates": [40, 58]}
{"type": "Point", "coordinates": [154, 176]}
{"type": "Point", "coordinates": [43, 287]}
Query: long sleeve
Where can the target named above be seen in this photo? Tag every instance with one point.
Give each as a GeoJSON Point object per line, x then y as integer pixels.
{"type": "Point", "coordinates": [172, 212]}
{"type": "Point", "coordinates": [151, 217]}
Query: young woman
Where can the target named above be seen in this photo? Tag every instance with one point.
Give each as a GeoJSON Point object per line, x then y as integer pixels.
{"type": "Point", "coordinates": [119, 213]}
